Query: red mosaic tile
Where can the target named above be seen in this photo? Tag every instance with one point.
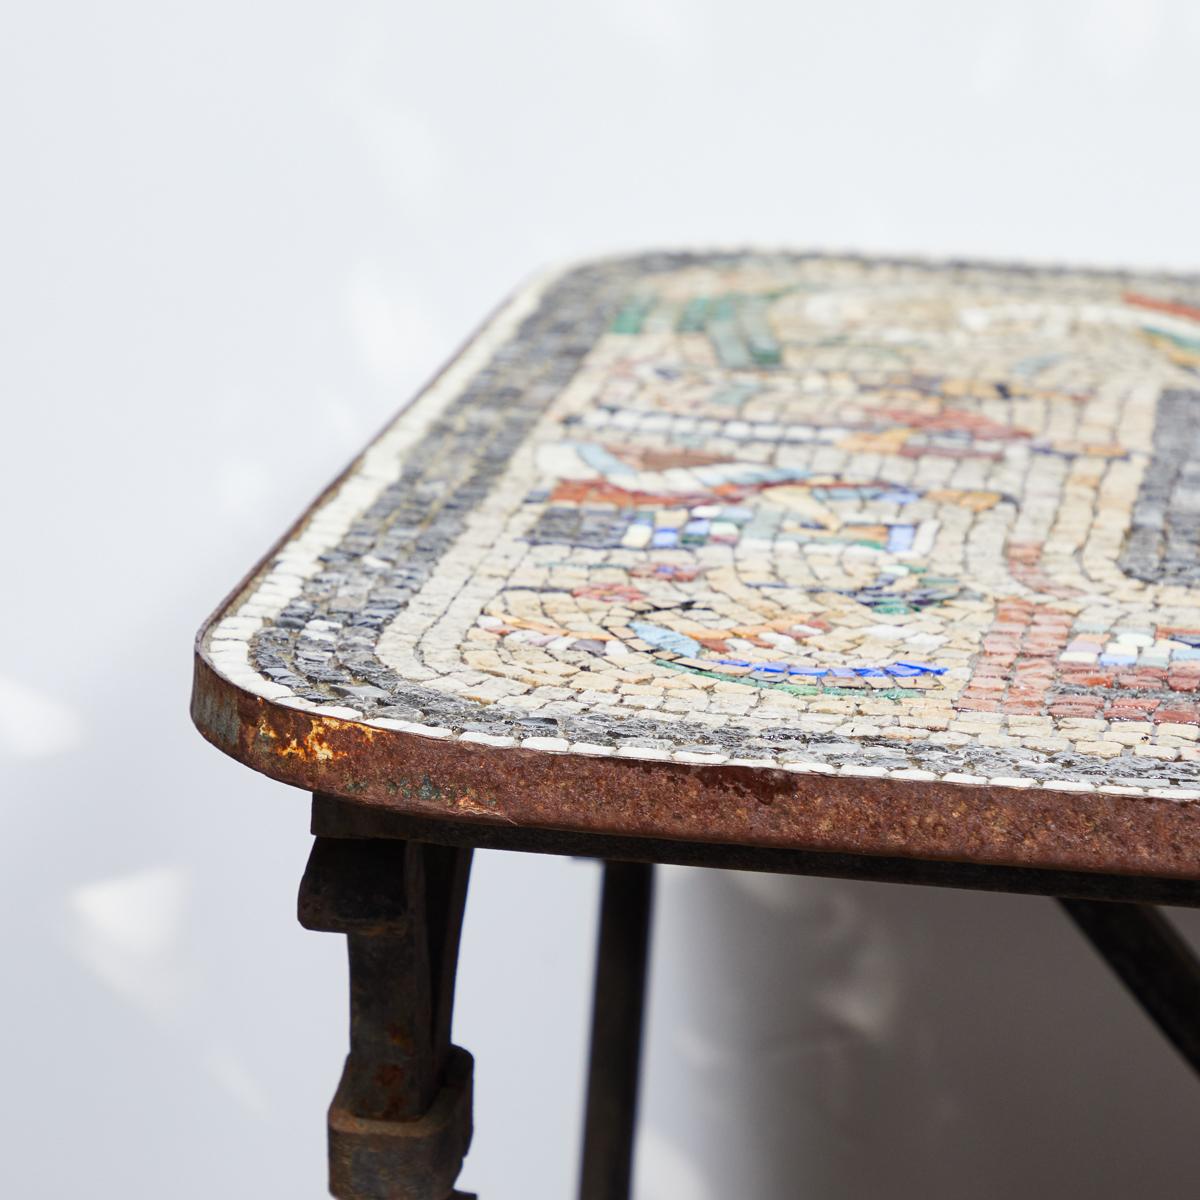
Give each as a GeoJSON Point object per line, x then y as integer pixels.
{"type": "Point", "coordinates": [1178, 716]}
{"type": "Point", "coordinates": [1132, 710]}
{"type": "Point", "coordinates": [1143, 678]}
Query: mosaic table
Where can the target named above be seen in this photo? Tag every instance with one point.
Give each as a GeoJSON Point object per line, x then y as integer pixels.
{"type": "Point", "coordinates": [829, 565]}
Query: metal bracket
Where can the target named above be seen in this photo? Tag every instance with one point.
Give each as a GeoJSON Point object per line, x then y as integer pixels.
{"type": "Point", "coordinates": [400, 1122]}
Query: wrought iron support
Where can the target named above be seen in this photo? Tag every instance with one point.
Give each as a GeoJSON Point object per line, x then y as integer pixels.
{"type": "Point", "coordinates": [1152, 960]}
{"type": "Point", "coordinates": [400, 1122]}
{"type": "Point", "coordinates": [617, 1008]}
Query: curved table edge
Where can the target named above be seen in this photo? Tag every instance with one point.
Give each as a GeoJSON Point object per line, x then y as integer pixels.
{"type": "Point", "coordinates": [771, 808]}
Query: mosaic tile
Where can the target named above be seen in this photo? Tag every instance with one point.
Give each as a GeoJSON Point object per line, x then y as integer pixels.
{"type": "Point", "coordinates": [837, 515]}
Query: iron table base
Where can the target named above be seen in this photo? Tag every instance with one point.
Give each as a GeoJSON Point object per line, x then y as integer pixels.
{"type": "Point", "coordinates": [400, 1123]}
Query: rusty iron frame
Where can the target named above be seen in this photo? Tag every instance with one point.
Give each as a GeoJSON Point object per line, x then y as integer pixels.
{"type": "Point", "coordinates": [395, 884]}
{"type": "Point", "coordinates": [333, 816]}
{"type": "Point", "coordinates": [753, 807]}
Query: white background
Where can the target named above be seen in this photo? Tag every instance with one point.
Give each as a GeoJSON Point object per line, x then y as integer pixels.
{"type": "Point", "coordinates": [233, 237]}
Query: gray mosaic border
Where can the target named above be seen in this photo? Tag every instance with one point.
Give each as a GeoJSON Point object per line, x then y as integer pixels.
{"type": "Point", "coordinates": [1164, 538]}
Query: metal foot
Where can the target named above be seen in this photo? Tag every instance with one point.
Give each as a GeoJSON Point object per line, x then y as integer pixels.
{"type": "Point", "coordinates": [616, 1031]}
{"type": "Point", "coordinates": [1153, 962]}
{"type": "Point", "coordinates": [400, 1123]}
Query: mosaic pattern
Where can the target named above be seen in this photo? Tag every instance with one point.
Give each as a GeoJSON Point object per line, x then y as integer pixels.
{"type": "Point", "coordinates": [836, 515]}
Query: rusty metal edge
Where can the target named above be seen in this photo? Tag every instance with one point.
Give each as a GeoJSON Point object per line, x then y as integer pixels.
{"type": "Point", "coordinates": [335, 818]}
{"type": "Point", "coordinates": [750, 806]}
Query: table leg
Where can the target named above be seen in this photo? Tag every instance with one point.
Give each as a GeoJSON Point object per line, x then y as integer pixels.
{"type": "Point", "coordinates": [1153, 962]}
{"type": "Point", "coordinates": [400, 1122]}
{"type": "Point", "coordinates": [612, 1089]}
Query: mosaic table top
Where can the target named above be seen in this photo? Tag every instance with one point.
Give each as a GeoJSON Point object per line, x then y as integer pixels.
{"type": "Point", "coordinates": [894, 557]}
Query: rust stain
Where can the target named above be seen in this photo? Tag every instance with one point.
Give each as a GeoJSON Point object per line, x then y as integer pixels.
{"type": "Point", "coordinates": [315, 745]}
{"type": "Point", "coordinates": [748, 806]}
